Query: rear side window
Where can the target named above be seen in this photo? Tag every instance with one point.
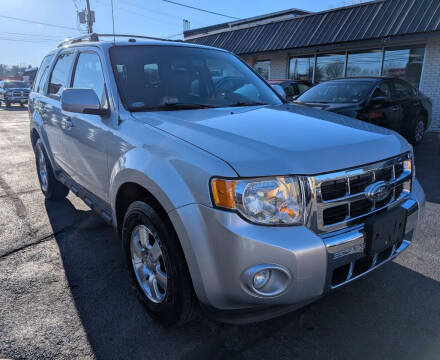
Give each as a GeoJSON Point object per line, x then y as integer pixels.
{"type": "Point", "coordinates": [88, 75]}
{"type": "Point", "coordinates": [383, 90]}
{"type": "Point", "coordinates": [42, 74]}
{"type": "Point", "coordinates": [401, 90]}
{"type": "Point", "coordinates": [59, 78]}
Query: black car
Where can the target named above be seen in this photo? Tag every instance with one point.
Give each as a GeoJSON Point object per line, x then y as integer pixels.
{"type": "Point", "coordinates": [388, 102]}
{"type": "Point", "coordinates": [292, 88]}
{"type": "Point", "coordinates": [14, 91]}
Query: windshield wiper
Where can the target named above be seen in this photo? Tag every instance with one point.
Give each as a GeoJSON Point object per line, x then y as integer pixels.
{"type": "Point", "coordinates": [242, 103]}
{"type": "Point", "coordinates": [168, 106]}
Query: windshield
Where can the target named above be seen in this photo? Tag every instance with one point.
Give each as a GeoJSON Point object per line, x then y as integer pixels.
{"type": "Point", "coordinates": [177, 77]}
{"type": "Point", "coordinates": [337, 93]}
{"type": "Point", "coordinates": [16, 84]}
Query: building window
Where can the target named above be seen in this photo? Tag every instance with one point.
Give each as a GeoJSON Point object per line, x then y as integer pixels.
{"type": "Point", "coordinates": [405, 64]}
{"type": "Point", "coordinates": [329, 66]}
{"type": "Point", "coordinates": [301, 68]}
{"type": "Point", "coordinates": [263, 68]}
{"type": "Point", "coordinates": [365, 63]}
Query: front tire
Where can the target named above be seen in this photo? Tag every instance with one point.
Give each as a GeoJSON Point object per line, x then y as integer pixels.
{"type": "Point", "coordinates": [156, 265]}
{"type": "Point", "coordinates": [50, 186]}
{"type": "Point", "coordinates": [7, 104]}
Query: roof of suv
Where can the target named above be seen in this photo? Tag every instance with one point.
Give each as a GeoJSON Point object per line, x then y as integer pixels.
{"type": "Point", "coordinates": [138, 42]}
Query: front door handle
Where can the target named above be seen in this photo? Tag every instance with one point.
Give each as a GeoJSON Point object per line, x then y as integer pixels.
{"type": "Point", "coordinates": [395, 108]}
{"type": "Point", "coordinates": [67, 123]}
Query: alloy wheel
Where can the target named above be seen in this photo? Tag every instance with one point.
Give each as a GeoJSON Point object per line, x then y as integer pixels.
{"type": "Point", "coordinates": [42, 168]}
{"type": "Point", "coordinates": [148, 263]}
{"type": "Point", "coordinates": [419, 131]}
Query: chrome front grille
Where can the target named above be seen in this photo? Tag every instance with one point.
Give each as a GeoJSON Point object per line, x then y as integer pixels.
{"type": "Point", "coordinates": [337, 200]}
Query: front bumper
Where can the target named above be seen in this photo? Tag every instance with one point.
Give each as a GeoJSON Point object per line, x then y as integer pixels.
{"type": "Point", "coordinates": [220, 246]}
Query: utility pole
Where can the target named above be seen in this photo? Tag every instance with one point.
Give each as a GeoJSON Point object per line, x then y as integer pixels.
{"type": "Point", "coordinates": [90, 17]}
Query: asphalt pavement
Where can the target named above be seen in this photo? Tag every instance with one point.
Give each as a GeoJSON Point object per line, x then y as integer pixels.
{"type": "Point", "coordinates": [64, 291]}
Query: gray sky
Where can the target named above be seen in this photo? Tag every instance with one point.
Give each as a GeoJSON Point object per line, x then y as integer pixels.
{"type": "Point", "coordinates": [27, 43]}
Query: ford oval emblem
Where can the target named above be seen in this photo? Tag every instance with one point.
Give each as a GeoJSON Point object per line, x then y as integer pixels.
{"type": "Point", "coordinates": [378, 191]}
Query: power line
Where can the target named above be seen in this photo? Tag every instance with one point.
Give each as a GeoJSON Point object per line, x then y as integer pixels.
{"type": "Point", "coordinates": [29, 41]}
{"type": "Point", "coordinates": [48, 37]}
{"type": "Point", "coordinates": [167, 15]}
{"type": "Point", "coordinates": [199, 9]}
{"type": "Point", "coordinates": [37, 22]}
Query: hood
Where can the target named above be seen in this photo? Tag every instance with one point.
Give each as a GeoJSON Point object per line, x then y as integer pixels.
{"type": "Point", "coordinates": [281, 139]}
{"type": "Point", "coordinates": [331, 107]}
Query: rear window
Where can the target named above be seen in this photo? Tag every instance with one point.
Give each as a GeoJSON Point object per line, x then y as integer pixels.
{"type": "Point", "coordinates": [337, 92]}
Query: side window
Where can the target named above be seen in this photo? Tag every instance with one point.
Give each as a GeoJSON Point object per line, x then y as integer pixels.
{"type": "Point", "coordinates": [302, 87]}
{"type": "Point", "coordinates": [401, 90]}
{"type": "Point", "coordinates": [383, 90]}
{"type": "Point", "coordinates": [42, 74]}
{"type": "Point", "coordinates": [290, 90]}
{"type": "Point", "coordinates": [60, 75]}
{"type": "Point", "coordinates": [88, 74]}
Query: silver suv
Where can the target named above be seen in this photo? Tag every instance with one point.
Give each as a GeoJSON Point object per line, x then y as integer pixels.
{"type": "Point", "coordinates": [224, 195]}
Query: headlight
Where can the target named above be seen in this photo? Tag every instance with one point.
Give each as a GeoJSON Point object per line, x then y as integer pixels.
{"type": "Point", "coordinates": [269, 201]}
{"type": "Point", "coordinates": [9, 93]}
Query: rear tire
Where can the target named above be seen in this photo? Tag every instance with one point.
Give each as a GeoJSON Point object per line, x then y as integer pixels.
{"type": "Point", "coordinates": [50, 186]}
{"type": "Point", "coordinates": [156, 265]}
{"type": "Point", "coordinates": [417, 131]}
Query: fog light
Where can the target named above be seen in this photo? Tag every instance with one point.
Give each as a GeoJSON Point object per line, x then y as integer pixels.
{"type": "Point", "coordinates": [261, 278]}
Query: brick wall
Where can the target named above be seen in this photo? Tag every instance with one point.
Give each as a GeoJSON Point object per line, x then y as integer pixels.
{"type": "Point", "coordinates": [430, 83]}
{"type": "Point", "coordinates": [278, 66]}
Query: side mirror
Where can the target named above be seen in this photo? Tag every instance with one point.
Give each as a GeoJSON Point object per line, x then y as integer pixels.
{"type": "Point", "coordinates": [83, 101]}
{"type": "Point", "coordinates": [295, 97]}
{"type": "Point", "coordinates": [280, 91]}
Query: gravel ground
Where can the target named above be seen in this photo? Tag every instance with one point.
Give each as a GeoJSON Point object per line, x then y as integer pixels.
{"type": "Point", "coordinates": [64, 292]}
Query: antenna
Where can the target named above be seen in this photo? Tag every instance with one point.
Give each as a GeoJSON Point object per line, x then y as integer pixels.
{"type": "Point", "coordinates": [113, 22]}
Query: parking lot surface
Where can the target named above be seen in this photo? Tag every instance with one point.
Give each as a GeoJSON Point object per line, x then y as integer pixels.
{"type": "Point", "coordinates": [64, 291]}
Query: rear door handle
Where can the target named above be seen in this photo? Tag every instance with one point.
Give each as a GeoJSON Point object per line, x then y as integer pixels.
{"type": "Point", "coordinates": [395, 108]}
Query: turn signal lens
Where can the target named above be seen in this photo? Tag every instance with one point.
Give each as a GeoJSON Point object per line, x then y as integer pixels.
{"type": "Point", "coordinates": [223, 193]}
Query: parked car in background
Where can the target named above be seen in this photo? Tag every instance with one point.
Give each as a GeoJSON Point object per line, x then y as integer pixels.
{"type": "Point", "coordinates": [14, 91]}
{"type": "Point", "coordinates": [388, 102]}
{"type": "Point", "coordinates": [223, 194]}
{"type": "Point", "coordinates": [292, 88]}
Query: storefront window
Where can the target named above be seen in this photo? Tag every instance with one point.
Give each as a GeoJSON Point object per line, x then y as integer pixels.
{"type": "Point", "coordinates": [329, 66]}
{"type": "Point", "coordinates": [263, 68]}
{"type": "Point", "coordinates": [365, 63]}
{"type": "Point", "coordinates": [301, 68]}
{"type": "Point", "coordinates": [405, 64]}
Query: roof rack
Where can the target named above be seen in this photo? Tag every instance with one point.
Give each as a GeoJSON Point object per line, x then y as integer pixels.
{"type": "Point", "coordinates": [95, 37]}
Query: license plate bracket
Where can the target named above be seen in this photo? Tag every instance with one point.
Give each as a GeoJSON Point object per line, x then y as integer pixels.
{"type": "Point", "coordinates": [384, 230]}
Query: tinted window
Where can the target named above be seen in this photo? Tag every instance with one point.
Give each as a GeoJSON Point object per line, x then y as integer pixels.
{"type": "Point", "coordinates": [151, 77]}
{"type": "Point", "coordinates": [337, 92]}
{"type": "Point", "coordinates": [42, 73]}
{"type": "Point", "coordinates": [303, 87]}
{"type": "Point", "coordinates": [383, 90]}
{"type": "Point", "coordinates": [60, 74]}
{"type": "Point", "coordinates": [88, 75]}
{"type": "Point", "coordinates": [290, 90]}
{"type": "Point", "coordinates": [401, 90]}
